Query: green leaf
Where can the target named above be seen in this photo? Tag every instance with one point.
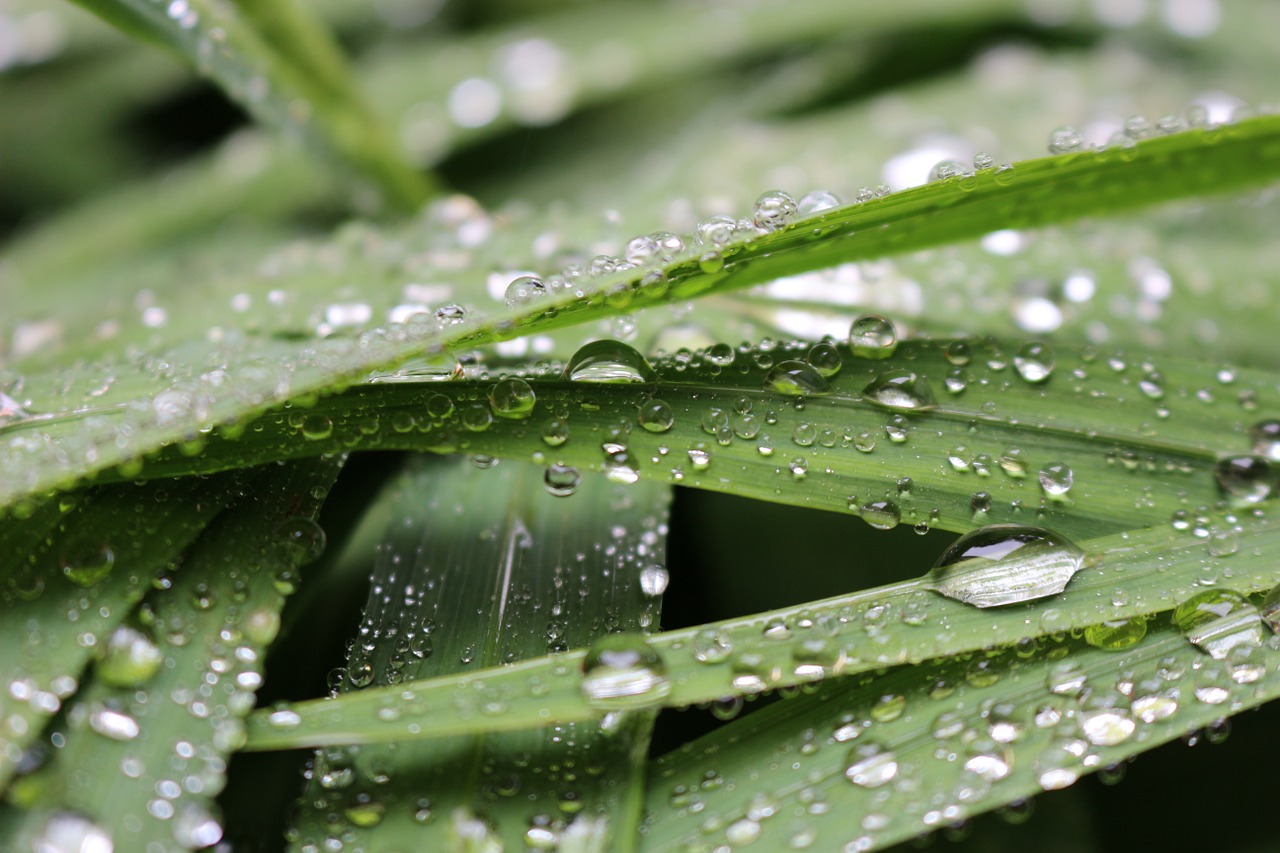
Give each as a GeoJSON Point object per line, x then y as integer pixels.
{"type": "Point", "coordinates": [142, 747]}
{"type": "Point", "coordinates": [1126, 576]}
{"type": "Point", "coordinates": [477, 569]}
{"type": "Point", "coordinates": [72, 575]}
{"type": "Point", "coordinates": [933, 746]}
{"type": "Point", "coordinates": [144, 408]}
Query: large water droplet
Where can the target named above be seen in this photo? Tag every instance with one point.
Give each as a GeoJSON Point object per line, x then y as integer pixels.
{"type": "Point", "coordinates": [1266, 439]}
{"type": "Point", "coordinates": [796, 378]}
{"type": "Point", "coordinates": [656, 415]}
{"type": "Point", "coordinates": [1005, 564]}
{"type": "Point", "coordinates": [512, 398]}
{"type": "Point", "coordinates": [621, 672]}
{"type": "Point", "coordinates": [524, 290]}
{"type": "Point", "coordinates": [608, 361]}
{"type": "Point", "coordinates": [67, 832]}
{"type": "Point", "coordinates": [1247, 479]}
{"type": "Point", "coordinates": [1116, 634]}
{"type": "Point", "coordinates": [900, 390]}
{"type": "Point", "coordinates": [1218, 621]}
{"type": "Point", "coordinates": [873, 336]}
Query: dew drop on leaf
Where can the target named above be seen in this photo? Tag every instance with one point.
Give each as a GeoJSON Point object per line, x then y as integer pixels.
{"type": "Point", "coordinates": [1218, 621]}
{"type": "Point", "coordinates": [1034, 362]}
{"type": "Point", "coordinates": [882, 515]}
{"type": "Point", "coordinates": [900, 390]}
{"type": "Point", "coordinates": [1005, 564]}
{"type": "Point", "coordinates": [523, 290]}
{"type": "Point", "coordinates": [89, 567]}
{"type": "Point", "coordinates": [1246, 479]}
{"type": "Point", "coordinates": [623, 672]}
{"type": "Point", "coordinates": [512, 398]}
{"type": "Point", "coordinates": [774, 209]}
{"type": "Point", "coordinates": [1116, 634]}
{"type": "Point", "coordinates": [825, 359]}
{"type": "Point", "coordinates": [129, 658]}
{"type": "Point", "coordinates": [873, 336]}
{"type": "Point", "coordinates": [796, 378]}
{"type": "Point", "coordinates": [561, 480]}
{"type": "Point", "coordinates": [1056, 479]}
{"type": "Point", "coordinates": [1266, 439]}
{"type": "Point", "coordinates": [656, 415]}
{"type": "Point", "coordinates": [817, 201]}
{"type": "Point", "coordinates": [870, 765]}
{"type": "Point", "coordinates": [608, 361]}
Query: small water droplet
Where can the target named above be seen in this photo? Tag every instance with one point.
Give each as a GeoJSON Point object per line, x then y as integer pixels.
{"type": "Point", "coordinates": [870, 765]}
{"type": "Point", "coordinates": [1116, 634]}
{"type": "Point", "coordinates": [608, 361]}
{"type": "Point", "coordinates": [89, 567]}
{"type": "Point", "coordinates": [1247, 479]}
{"type": "Point", "coordinates": [873, 336]}
{"type": "Point", "coordinates": [900, 390]}
{"type": "Point", "coordinates": [1219, 621]}
{"type": "Point", "coordinates": [817, 201]}
{"type": "Point", "coordinates": [523, 290]}
{"type": "Point", "coordinates": [512, 398]}
{"type": "Point", "coordinates": [656, 415]}
{"type": "Point", "coordinates": [1056, 479]}
{"type": "Point", "coordinates": [129, 658]}
{"type": "Point", "coordinates": [825, 359]}
{"type": "Point", "coordinates": [561, 480]}
{"type": "Point", "coordinates": [653, 580]}
{"type": "Point", "coordinates": [1034, 362]}
{"type": "Point", "coordinates": [623, 672]}
{"type": "Point", "coordinates": [796, 378]}
{"type": "Point", "coordinates": [1005, 564]}
{"type": "Point", "coordinates": [774, 209]}
{"type": "Point", "coordinates": [882, 515]}
{"type": "Point", "coordinates": [1065, 139]}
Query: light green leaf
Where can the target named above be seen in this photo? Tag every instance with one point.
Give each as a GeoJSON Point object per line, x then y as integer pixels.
{"type": "Point", "coordinates": [150, 402]}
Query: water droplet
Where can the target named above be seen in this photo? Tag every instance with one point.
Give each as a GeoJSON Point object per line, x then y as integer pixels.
{"type": "Point", "coordinates": [900, 390]}
{"type": "Point", "coordinates": [523, 290]}
{"type": "Point", "coordinates": [89, 567]}
{"type": "Point", "coordinates": [825, 359]}
{"type": "Point", "coordinates": [711, 646]}
{"type": "Point", "coordinates": [653, 580]}
{"type": "Point", "coordinates": [774, 209]}
{"type": "Point", "coordinates": [303, 539]}
{"type": "Point", "coordinates": [512, 398]}
{"type": "Point", "coordinates": [870, 765]}
{"type": "Point", "coordinates": [1266, 439]}
{"type": "Point", "coordinates": [622, 672]}
{"type": "Point", "coordinates": [1107, 726]}
{"type": "Point", "coordinates": [1247, 479]}
{"type": "Point", "coordinates": [1218, 621]}
{"type": "Point", "coordinates": [129, 658]}
{"type": "Point", "coordinates": [945, 170]}
{"type": "Point", "coordinates": [1005, 564]}
{"type": "Point", "coordinates": [113, 724]}
{"type": "Point", "coordinates": [817, 201]}
{"type": "Point", "coordinates": [872, 336]}
{"type": "Point", "coordinates": [1056, 479]}
{"type": "Point", "coordinates": [1116, 634]}
{"type": "Point", "coordinates": [796, 378]}
{"type": "Point", "coordinates": [882, 515]}
{"type": "Point", "coordinates": [717, 231]}
{"type": "Point", "coordinates": [561, 480]}
{"type": "Point", "coordinates": [608, 361]}
{"type": "Point", "coordinates": [1065, 139]}
{"type": "Point", "coordinates": [1034, 362]}
{"type": "Point", "coordinates": [67, 832]}
{"type": "Point", "coordinates": [656, 415]}
{"type": "Point", "coordinates": [721, 355]}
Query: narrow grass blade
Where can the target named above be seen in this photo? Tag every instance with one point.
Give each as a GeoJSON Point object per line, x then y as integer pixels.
{"type": "Point", "coordinates": [143, 411]}
{"type": "Point", "coordinates": [68, 588]}
{"type": "Point", "coordinates": [476, 570]}
{"type": "Point", "coordinates": [1101, 442]}
{"type": "Point", "coordinates": [1126, 576]}
{"type": "Point", "coordinates": [142, 762]}
{"type": "Point", "coordinates": [288, 75]}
